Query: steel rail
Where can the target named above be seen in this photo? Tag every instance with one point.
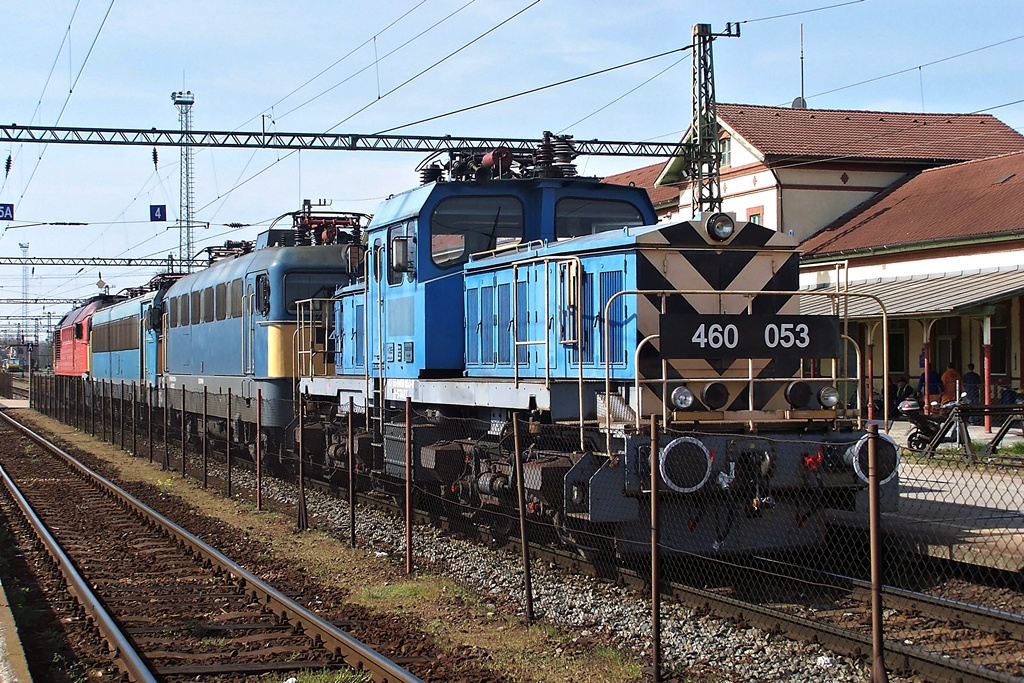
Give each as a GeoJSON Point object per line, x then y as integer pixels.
{"type": "Point", "coordinates": [841, 640]}
{"type": "Point", "coordinates": [125, 654]}
{"type": "Point", "coordinates": [355, 654]}
{"type": "Point", "coordinates": [978, 617]}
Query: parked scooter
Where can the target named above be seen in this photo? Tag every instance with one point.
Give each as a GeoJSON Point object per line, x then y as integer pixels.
{"type": "Point", "coordinates": [927, 426]}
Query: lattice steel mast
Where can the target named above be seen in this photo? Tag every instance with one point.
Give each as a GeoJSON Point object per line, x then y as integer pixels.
{"type": "Point", "coordinates": [24, 288]}
{"type": "Point", "coordinates": [706, 158]}
{"type": "Point", "coordinates": [184, 101]}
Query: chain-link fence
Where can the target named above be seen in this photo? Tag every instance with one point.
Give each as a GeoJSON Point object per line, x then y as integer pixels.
{"type": "Point", "coordinates": [777, 517]}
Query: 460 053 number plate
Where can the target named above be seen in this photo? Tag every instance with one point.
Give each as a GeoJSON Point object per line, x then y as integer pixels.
{"type": "Point", "coordinates": [749, 336]}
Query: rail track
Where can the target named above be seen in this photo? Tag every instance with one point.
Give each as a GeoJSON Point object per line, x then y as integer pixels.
{"type": "Point", "coordinates": [169, 606]}
{"type": "Point", "coordinates": [938, 638]}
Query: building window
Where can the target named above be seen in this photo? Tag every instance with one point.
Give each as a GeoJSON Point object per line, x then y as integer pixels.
{"type": "Point", "coordinates": [1000, 336]}
{"type": "Point", "coordinates": [755, 214]}
{"type": "Point", "coordinates": [897, 347]}
{"type": "Point", "coordinates": [725, 149]}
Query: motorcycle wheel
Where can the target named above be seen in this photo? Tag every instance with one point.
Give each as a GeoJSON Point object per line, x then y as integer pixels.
{"type": "Point", "coordinates": [917, 441]}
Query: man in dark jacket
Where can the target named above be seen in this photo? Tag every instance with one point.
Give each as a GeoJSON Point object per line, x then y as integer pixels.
{"type": "Point", "coordinates": [934, 384]}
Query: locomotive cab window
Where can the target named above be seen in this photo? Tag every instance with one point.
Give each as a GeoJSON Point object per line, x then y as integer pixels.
{"type": "Point", "coordinates": [263, 294]}
{"type": "Point", "coordinates": [401, 253]}
{"type": "Point", "coordinates": [575, 217]}
{"type": "Point", "coordinates": [460, 226]}
{"type": "Point", "coordinates": [78, 330]}
{"type": "Point", "coordinates": [300, 286]}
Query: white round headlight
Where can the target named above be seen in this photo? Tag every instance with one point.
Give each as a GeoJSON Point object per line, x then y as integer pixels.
{"type": "Point", "coordinates": [828, 397]}
{"type": "Point", "coordinates": [720, 226]}
{"type": "Point", "coordinates": [682, 398]}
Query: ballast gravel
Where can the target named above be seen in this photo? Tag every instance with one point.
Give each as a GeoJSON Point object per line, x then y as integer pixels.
{"type": "Point", "coordinates": [587, 607]}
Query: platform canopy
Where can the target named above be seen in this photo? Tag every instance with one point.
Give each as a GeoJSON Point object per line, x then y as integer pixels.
{"type": "Point", "coordinates": [969, 293]}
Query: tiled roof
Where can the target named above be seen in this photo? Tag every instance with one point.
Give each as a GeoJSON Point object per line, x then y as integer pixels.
{"type": "Point", "coordinates": [983, 198]}
{"type": "Point", "coordinates": [828, 133]}
{"type": "Point", "coordinates": [645, 177]}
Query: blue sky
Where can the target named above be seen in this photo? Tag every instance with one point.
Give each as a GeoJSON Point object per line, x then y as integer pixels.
{"type": "Point", "coordinates": [276, 64]}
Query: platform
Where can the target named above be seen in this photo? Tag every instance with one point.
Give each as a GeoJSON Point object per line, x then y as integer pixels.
{"type": "Point", "coordinates": [956, 509]}
{"type": "Point", "coordinates": [13, 666]}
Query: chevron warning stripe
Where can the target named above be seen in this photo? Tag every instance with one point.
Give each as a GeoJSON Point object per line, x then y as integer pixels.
{"type": "Point", "coordinates": [690, 260]}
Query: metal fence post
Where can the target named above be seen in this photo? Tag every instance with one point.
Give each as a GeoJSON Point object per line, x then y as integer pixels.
{"type": "Point", "coordinates": [351, 477]}
{"type": "Point", "coordinates": [524, 541]}
{"type": "Point", "coordinates": [149, 420]}
{"type": "Point", "coordinates": [103, 409]}
{"type": "Point", "coordinates": [167, 427]}
{"type": "Point", "coordinates": [135, 412]}
{"type": "Point", "coordinates": [302, 518]}
{"type": "Point", "coordinates": [408, 484]}
{"type": "Point", "coordinates": [878, 673]}
{"type": "Point", "coordinates": [227, 444]}
{"type": "Point", "coordinates": [655, 569]}
{"type": "Point", "coordinates": [203, 436]}
{"type": "Point", "coordinates": [183, 397]}
{"type": "Point", "coordinates": [120, 411]}
{"type": "Point", "coordinates": [259, 449]}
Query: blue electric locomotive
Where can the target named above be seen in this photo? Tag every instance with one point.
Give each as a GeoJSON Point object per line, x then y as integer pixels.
{"type": "Point", "coordinates": [562, 300]}
{"type": "Point", "coordinates": [227, 329]}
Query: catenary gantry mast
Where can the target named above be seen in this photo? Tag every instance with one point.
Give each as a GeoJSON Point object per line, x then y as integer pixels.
{"type": "Point", "coordinates": [186, 211]}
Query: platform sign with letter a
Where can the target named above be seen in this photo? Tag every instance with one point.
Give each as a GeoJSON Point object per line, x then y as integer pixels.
{"type": "Point", "coordinates": [6, 212]}
{"type": "Point", "coordinates": [157, 213]}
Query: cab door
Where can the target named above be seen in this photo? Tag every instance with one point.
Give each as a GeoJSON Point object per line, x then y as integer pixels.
{"type": "Point", "coordinates": [255, 314]}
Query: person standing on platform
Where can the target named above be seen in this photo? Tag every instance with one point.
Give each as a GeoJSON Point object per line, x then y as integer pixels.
{"type": "Point", "coordinates": [934, 384]}
{"type": "Point", "coordinates": [972, 387]}
{"type": "Point", "coordinates": [951, 380]}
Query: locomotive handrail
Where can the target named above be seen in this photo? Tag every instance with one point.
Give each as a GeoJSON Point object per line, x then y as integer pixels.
{"type": "Point", "coordinates": [548, 320]}
{"type": "Point", "coordinates": [835, 296]}
{"type": "Point", "coordinates": [305, 333]}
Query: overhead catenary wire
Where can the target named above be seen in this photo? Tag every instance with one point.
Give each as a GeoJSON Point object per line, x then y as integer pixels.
{"type": "Point", "coordinates": [531, 91]}
{"type": "Point", "coordinates": [71, 91]}
{"type": "Point", "coordinates": [349, 54]}
{"type": "Point", "coordinates": [915, 68]}
{"type": "Point", "coordinates": [380, 98]}
{"type": "Point", "coordinates": [761, 19]}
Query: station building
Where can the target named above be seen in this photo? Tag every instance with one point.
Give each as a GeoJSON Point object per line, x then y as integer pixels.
{"type": "Point", "coordinates": [922, 211]}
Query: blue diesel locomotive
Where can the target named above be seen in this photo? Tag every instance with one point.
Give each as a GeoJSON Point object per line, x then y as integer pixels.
{"type": "Point", "coordinates": [563, 301]}
{"type": "Point", "coordinates": [506, 286]}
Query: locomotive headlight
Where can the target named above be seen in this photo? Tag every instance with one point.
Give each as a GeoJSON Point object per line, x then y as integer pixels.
{"type": "Point", "coordinates": [798, 394]}
{"type": "Point", "coordinates": [715, 395]}
{"type": "Point", "coordinates": [828, 397]}
{"type": "Point", "coordinates": [682, 398]}
{"type": "Point", "coordinates": [720, 226]}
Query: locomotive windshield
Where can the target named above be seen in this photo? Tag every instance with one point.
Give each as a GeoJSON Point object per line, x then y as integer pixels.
{"type": "Point", "coordinates": [461, 226]}
{"type": "Point", "coordinates": [299, 286]}
{"type": "Point", "coordinates": [575, 217]}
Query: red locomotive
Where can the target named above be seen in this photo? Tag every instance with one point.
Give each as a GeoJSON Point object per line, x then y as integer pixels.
{"type": "Point", "coordinates": [71, 338]}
